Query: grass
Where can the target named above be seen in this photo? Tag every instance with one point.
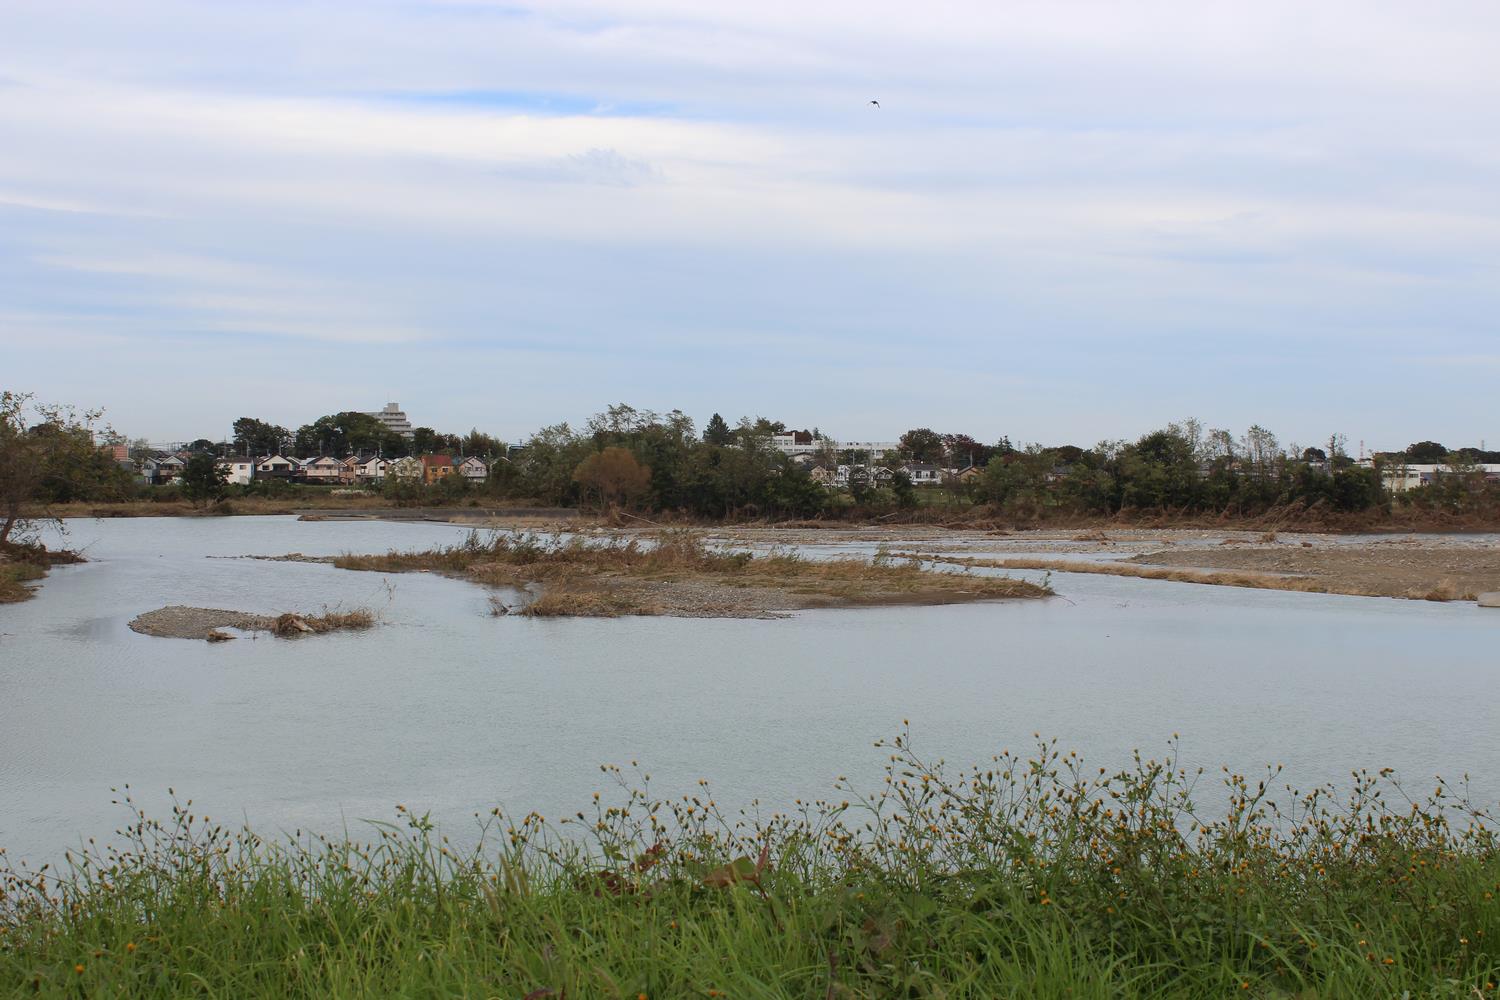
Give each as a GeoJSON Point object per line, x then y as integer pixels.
{"type": "Point", "coordinates": [14, 578]}
{"type": "Point", "coordinates": [622, 575]}
{"type": "Point", "coordinates": [291, 625]}
{"type": "Point", "coordinates": [1028, 876]}
{"type": "Point", "coordinates": [21, 565]}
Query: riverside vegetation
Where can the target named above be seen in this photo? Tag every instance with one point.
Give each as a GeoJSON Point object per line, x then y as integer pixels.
{"type": "Point", "coordinates": [631, 459]}
{"type": "Point", "coordinates": [1027, 876]}
{"type": "Point", "coordinates": [675, 573]}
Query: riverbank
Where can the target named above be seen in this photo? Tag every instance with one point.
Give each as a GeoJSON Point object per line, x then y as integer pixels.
{"type": "Point", "coordinates": [674, 573]}
{"type": "Point", "coordinates": [1025, 876]}
{"type": "Point", "coordinates": [489, 511]}
{"type": "Point", "coordinates": [1415, 567]}
{"type": "Point", "coordinates": [21, 566]}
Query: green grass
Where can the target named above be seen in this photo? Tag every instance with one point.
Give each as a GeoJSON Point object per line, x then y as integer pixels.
{"type": "Point", "coordinates": [23, 564]}
{"type": "Point", "coordinates": [1026, 877]}
{"type": "Point", "coordinates": [14, 578]}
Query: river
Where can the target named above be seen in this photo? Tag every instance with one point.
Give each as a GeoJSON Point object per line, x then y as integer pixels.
{"type": "Point", "coordinates": [445, 708]}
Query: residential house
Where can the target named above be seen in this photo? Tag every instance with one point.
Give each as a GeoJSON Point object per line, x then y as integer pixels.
{"type": "Point", "coordinates": [436, 468]}
{"type": "Point", "coordinates": [160, 469]}
{"type": "Point", "coordinates": [322, 469]}
{"type": "Point", "coordinates": [349, 471]}
{"type": "Point", "coordinates": [474, 469]}
{"type": "Point", "coordinates": [922, 474]}
{"type": "Point", "coordinates": [823, 475]}
{"type": "Point", "coordinates": [970, 474]}
{"type": "Point", "coordinates": [276, 467]}
{"type": "Point", "coordinates": [404, 468]}
{"type": "Point", "coordinates": [238, 470]}
{"type": "Point", "coordinates": [372, 470]}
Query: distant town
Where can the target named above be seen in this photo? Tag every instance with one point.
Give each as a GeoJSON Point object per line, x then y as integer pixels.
{"type": "Point", "coordinates": [331, 452]}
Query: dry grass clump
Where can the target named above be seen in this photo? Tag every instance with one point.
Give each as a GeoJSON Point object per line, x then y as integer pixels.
{"type": "Point", "coordinates": [291, 625]}
{"type": "Point", "coordinates": [612, 576]}
{"type": "Point", "coordinates": [573, 602]}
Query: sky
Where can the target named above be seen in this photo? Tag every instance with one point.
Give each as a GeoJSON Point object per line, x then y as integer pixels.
{"type": "Point", "coordinates": [1065, 222]}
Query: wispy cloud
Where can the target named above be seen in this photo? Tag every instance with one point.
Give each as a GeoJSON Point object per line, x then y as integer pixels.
{"type": "Point", "coordinates": [1171, 204]}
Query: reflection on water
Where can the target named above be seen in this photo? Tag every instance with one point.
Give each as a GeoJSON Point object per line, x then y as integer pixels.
{"type": "Point", "coordinates": [446, 708]}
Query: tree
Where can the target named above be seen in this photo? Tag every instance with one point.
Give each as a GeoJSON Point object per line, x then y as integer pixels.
{"type": "Point", "coordinates": [256, 437]}
{"type": "Point", "coordinates": [922, 444]}
{"type": "Point", "coordinates": [349, 431]}
{"type": "Point", "coordinates": [203, 445]}
{"type": "Point", "coordinates": [906, 494]}
{"type": "Point", "coordinates": [614, 474]}
{"type": "Point", "coordinates": [18, 457]}
{"type": "Point", "coordinates": [202, 479]}
{"type": "Point", "coordinates": [1426, 453]}
{"type": "Point", "coordinates": [484, 445]}
{"type": "Point", "coordinates": [964, 451]}
{"type": "Point", "coordinates": [426, 441]}
{"type": "Point", "coordinates": [48, 455]}
{"type": "Point", "coordinates": [717, 432]}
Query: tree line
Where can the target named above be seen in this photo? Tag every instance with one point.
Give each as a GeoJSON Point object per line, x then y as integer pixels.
{"type": "Point", "coordinates": [646, 461]}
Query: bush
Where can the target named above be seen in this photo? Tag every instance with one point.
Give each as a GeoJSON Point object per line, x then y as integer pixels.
{"type": "Point", "coordinates": [1025, 876]}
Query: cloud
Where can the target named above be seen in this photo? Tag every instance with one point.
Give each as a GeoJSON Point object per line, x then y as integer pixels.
{"type": "Point", "coordinates": [1113, 190]}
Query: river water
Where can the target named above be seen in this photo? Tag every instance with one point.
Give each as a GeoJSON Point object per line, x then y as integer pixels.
{"type": "Point", "coordinates": [445, 708]}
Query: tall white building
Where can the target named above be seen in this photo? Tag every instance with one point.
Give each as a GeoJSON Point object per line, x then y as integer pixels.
{"type": "Point", "coordinates": [394, 418]}
{"type": "Point", "coordinates": [803, 443]}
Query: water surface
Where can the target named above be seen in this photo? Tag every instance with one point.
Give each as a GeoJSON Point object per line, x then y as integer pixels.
{"type": "Point", "coordinates": [443, 707]}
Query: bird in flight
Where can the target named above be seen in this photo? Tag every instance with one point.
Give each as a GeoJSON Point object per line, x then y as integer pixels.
{"type": "Point", "coordinates": [876, 103]}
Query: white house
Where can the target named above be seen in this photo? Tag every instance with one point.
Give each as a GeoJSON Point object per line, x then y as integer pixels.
{"type": "Point", "coordinates": [371, 470]}
{"type": "Point", "coordinates": [322, 469]}
{"type": "Point", "coordinates": [474, 469]}
{"type": "Point", "coordinates": [238, 470]}
{"type": "Point", "coordinates": [276, 467]}
{"type": "Point", "coordinates": [922, 474]}
{"type": "Point", "coordinates": [161, 468]}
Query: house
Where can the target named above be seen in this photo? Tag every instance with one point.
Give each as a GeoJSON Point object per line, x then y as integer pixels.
{"type": "Point", "coordinates": [404, 468]}
{"type": "Point", "coordinates": [474, 469]}
{"type": "Point", "coordinates": [276, 467]}
{"type": "Point", "coordinates": [882, 476]}
{"type": "Point", "coordinates": [922, 474]}
{"type": "Point", "coordinates": [238, 470]}
{"type": "Point", "coordinates": [322, 469]}
{"type": "Point", "coordinates": [371, 470]}
{"type": "Point", "coordinates": [822, 475]}
{"type": "Point", "coordinates": [435, 468]}
{"type": "Point", "coordinates": [160, 469]}
{"type": "Point", "coordinates": [970, 474]}
{"type": "Point", "coordinates": [349, 473]}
